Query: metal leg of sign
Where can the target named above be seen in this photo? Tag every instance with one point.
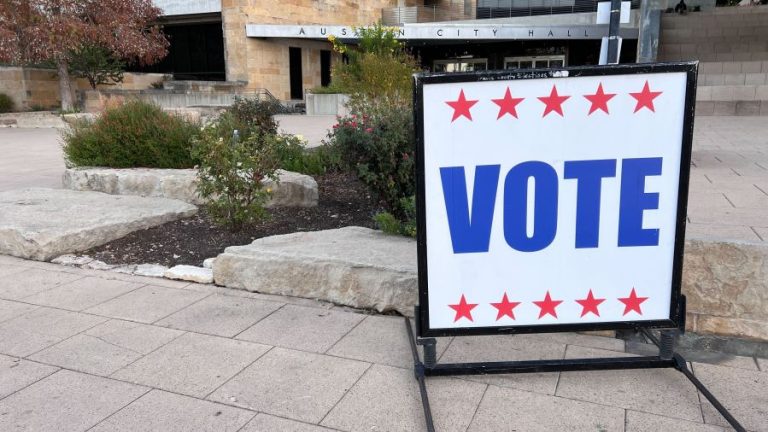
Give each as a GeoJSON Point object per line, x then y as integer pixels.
{"type": "Point", "coordinates": [666, 345]}
{"type": "Point", "coordinates": [667, 358]}
{"type": "Point", "coordinates": [418, 371]}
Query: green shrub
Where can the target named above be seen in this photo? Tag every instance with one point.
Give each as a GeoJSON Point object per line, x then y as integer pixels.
{"type": "Point", "coordinates": [378, 146]}
{"type": "Point", "coordinates": [295, 157]}
{"type": "Point", "coordinates": [136, 134]}
{"type": "Point", "coordinates": [232, 173]}
{"type": "Point", "coordinates": [390, 224]}
{"type": "Point", "coordinates": [379, 66]}
{"type": "Point", "coordinates": [6, 103]}
{"type": "Point", "coordinates": [250, 115]}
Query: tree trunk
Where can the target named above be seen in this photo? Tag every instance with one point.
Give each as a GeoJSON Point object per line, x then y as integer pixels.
{"type": "Point", "coordinates": [65, 86]}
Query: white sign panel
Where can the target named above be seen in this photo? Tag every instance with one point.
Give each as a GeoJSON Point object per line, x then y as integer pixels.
{"type": "Point", "coordinates": [551, 201]}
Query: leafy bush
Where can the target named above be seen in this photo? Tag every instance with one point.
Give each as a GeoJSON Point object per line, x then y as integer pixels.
{"type": "Point", "coordinates": [232, 173]}
{"type": "Point", "coordinates": [378, 146]}
{"type": "Point", "coordinates": [136, 134]}
{"type": "Point", "coordinates": [295, 157]}
{"type": "Point", "coordinates": [378, 67]}
{"type": "Point", "coordinates": [250, 115]}
{"type": "Point", "coordinates": [6, 103]}
{"type": "Point", "coordinates": [390, 224]}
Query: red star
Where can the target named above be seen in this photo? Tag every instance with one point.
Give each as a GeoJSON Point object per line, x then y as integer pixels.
{"type": "Point", "coordinates": [463, 309]}
{"type": "Point", "coordinates": [599, 100]}
{"type": "Point", "coordinates": [461, 107]}
{"type": "Point", "coordinates": [633, 302]}
{"type": "Point", "coordinates": [553, 102]}
{"type": "Point", "coordinates": [547, 306]}
{"type": "Point", "coordinates": [505, 307]}
{"type": "Point", "coordinates": [590, 304]}
{"type": "Point", "coordinates": [507, 104]}
{"type": "Point", "coordinates": [645, 98]}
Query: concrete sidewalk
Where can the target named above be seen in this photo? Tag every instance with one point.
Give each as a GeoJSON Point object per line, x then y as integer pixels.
{"type": "Point", "coordinates": [88, 350]}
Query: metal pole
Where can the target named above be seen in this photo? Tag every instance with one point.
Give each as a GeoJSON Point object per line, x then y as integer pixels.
{"type": "Point", "coordinates": [613, 32]}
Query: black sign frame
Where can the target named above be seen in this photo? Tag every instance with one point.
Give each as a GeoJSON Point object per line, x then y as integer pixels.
{"type": "Point", "coordinates": [677, 304]}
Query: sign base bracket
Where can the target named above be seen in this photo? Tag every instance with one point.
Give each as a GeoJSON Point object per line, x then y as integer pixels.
{"type": "Point", "coordinates": [667, 358]}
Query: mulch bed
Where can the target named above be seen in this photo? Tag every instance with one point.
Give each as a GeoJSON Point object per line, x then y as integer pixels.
{"type": "Point", "coordinates": [344, 201]}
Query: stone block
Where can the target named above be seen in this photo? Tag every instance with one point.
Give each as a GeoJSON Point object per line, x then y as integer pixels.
{"type": "Point", "coordinates": [41, 224]}
{"type": "Point", "coordinates": [327, 265]}
{"type": "Point", "coordinates": [726, 279]}
{"type": "Point", "coordinates": [735, 327]}
{"type": "Point", "coordinates": [190, 273]}
{"type": "Point", "coordinates": [291, 189]}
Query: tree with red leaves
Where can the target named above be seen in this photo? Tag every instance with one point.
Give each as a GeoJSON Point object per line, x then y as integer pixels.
{"type": "Point", "coordinates": [36, 31]}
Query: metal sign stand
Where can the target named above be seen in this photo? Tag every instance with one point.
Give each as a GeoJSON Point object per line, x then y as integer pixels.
{"type": "Point", "coordinates": [667, 358]}
{"type": "Point", "coordinates": [424, 334]}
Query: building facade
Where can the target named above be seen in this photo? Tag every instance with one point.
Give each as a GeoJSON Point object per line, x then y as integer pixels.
{"type": "Point", "coordinates": [283, 46]}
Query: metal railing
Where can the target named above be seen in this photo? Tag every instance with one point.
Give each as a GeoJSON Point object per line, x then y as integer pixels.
{"type": "Point", "coordinates": [422, 14]}
{"type": "Point", "coordinates": [516, 8]}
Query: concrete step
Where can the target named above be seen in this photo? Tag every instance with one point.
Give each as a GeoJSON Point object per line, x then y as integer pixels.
{"type": "Point", "coordinates": [708, 79]}
{"type": "Point", "coordinates": [732, 108]}
{"type": "Point", "coordinates": [732, 93]}
{"type": "Point", "coordinates": [733, 67]}
{"type": "Point", "coordinates": [665, 55]}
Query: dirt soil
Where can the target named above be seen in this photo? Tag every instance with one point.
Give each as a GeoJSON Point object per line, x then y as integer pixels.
{"type": "Point", "coordinates": [344, 201]}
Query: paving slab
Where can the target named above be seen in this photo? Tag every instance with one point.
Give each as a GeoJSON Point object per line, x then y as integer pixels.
{"type": "Point", "coordinates": [644, 422]}
{"type": "Point", "coordinates": [147, 304]}
{"type": "Point", "coordinates": [192, 364]}
{"type": "Point", "coordinates": [9, 269]}
{"type": "Point", "coordinates": [293, 384]}
{"type": "Point", "coordinates": [41, 328]}
{"type": "Point", "coordinates": [302, 328]}
{"type": "Point", "coordinates": [168, 412]}
{"type": "Point", "coordinates": [32, 281]}
{"type": "Point", "coordinates": [743, 392]}
{"type": "Point", "coordinates": [269, 423]}
{"type": "Point", "coordinates": [665, 392]}
{"type": "Point", "coordinates": [505, 409]}
{"type": "Point", "coordinates": [79, 402]}
{"type": "Point", "coordinates": [82, 293]}
{"type": "Point", "coordinates": [87, 354]}
{"type": "Point", "coordinates": [382, 340]}
{"type": "Point", "coordinates": [762, 364]}
{"type": "Point", "coordinates": [11, 309]}
{"type": "Point", "coordinates": [16, 373]}
{"type": "Point", "coordinates": [388, 399]}
{"type": "Point", "coordinates": [133, 336]}
{"type": "Point", "coordinates": [351, 266]}
{"type": "Point", "coordinates": [220, 315]}
{"type": "Point", "coordinates": [42, 224]}
{"type": "Point", "coordinates": [508, 348]}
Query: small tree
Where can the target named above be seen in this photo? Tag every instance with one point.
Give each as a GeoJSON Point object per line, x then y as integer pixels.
{"type": "Point", "coordinates": [96, 64]}
{"type": "Point", "coordinates": [36, 31]}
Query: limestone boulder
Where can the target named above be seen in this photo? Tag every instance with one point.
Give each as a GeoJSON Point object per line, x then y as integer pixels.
{"type": "Point", "coordinates": [42, 224]}
{"type": "Point", "coordinates": [351, 266]}
{"type": "Point", "coordinates": [291, 190]}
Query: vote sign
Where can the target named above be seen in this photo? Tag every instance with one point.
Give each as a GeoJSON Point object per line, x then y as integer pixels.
{"type": "Point", "coordinates": [552, 200]}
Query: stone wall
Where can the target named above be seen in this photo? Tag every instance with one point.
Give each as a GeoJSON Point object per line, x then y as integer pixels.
{"type": "Point", "coordinates": [726, 286]}
{"type": "Point", "coordinates": [264, 63]}
{"type": "Point", "coordinates": [35, 87]}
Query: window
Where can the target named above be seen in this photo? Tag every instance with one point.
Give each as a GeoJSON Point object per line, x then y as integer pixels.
{"type": "Point", "coordinates": [460, 65]}
{"type": "Point", "coordinates": [537, 62]}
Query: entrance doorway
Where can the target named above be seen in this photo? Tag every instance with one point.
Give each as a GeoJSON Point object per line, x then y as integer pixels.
{"type": "Point", "coordinates": [296, 76]}
{"type": "Point", "coordinates": [325, 68]}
